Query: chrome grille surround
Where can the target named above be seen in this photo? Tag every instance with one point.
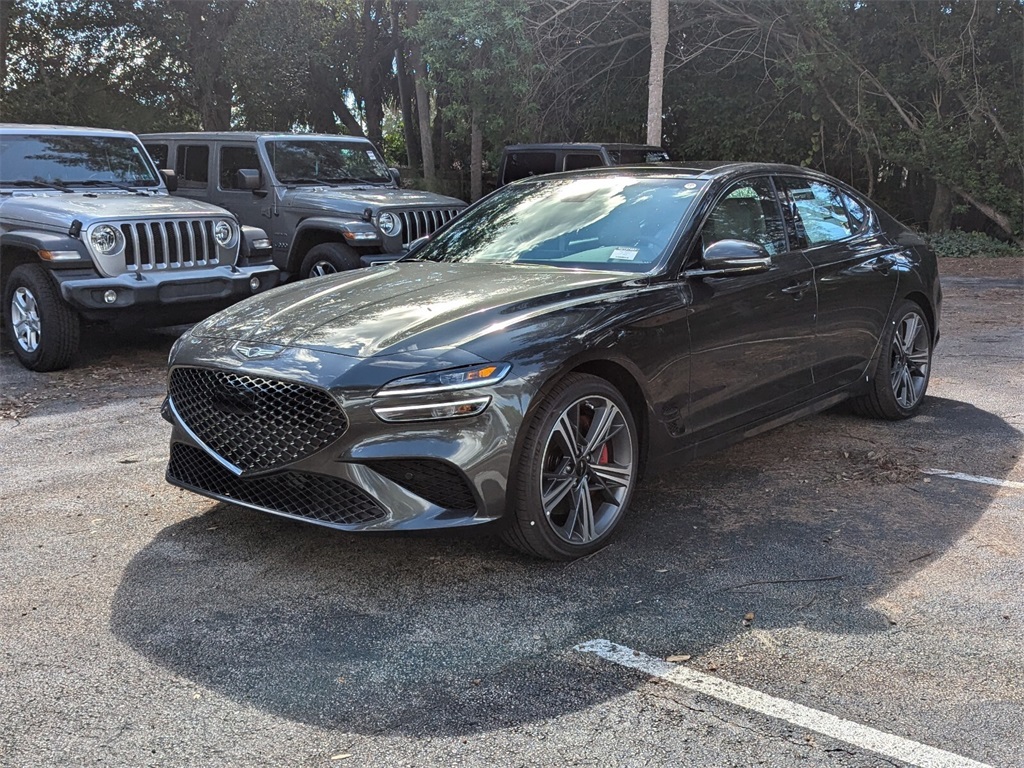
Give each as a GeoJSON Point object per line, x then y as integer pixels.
{"type": "Point", "coordinates": [152, 244]}
{"type": "Point", "coordinates": [254, 423]}
{"type": "Point", "coordinates": [420, 222]}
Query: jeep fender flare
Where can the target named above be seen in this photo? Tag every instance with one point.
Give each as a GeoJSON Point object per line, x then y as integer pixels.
{"type": "Point", "coordinates": [325, 229]}
{"type": "Point", "coordinates": [47, 242]}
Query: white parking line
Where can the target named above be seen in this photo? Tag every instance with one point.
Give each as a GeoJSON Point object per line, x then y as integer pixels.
{"type": "Point", "coordinates": [812, 719]}
{"type": "Point", "coordinates": [974, 478]}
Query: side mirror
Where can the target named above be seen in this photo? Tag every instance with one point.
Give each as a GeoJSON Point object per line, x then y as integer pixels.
{"type": "Point", "coordinates": [247, 178]}
{"type": "Point", "coordinates": [170, 179]}
{"type": "Point", "coordinates": [726, 258]}
{"type": "Point", "coordinates": [396, 176]}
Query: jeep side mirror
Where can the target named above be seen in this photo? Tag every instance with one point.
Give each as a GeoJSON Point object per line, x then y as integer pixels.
{"type": "Point", "coordinates": [396, 176]}
{"type": "Point", "coordinates": [247, 178]}
{"type": "Point", "coordinates": [170, 179]}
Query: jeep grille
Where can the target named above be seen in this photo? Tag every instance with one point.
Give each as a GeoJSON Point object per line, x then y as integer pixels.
{"type": "Point", "coordinates": [175, 243]}
{"type": "Point", "coordinates": [421, 222]}
{"type": "Point", "coordinates": [254, 422]}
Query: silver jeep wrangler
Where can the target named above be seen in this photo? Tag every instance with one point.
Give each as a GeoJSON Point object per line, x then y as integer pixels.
{"type": "Point", "coordinates": [329, 202]}
{"type": "Point", "coordinates": [89, 232]}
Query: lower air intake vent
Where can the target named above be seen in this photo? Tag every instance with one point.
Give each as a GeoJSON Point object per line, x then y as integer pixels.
{"type": "Point", "coordinates": [435, 481]}
{"type": "Point", "coordinates": [318, 498]}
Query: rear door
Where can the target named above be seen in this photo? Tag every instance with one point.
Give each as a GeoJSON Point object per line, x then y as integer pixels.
{"type": "Point", "coordinates": [853, 275]}
{"type": "Point", "coordinates": [751, 336]}
{"type": "Point", "coordinates": [192, 166]}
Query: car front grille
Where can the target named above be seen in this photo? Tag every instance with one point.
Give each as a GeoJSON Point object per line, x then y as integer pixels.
{"type": "Point", "coordinates": [437, 482]}
{"type": "Point", "coordinates": [255, 423]}
{"type": "Point", "coordinates": [420, 222]}
{"type": "Point", "coordinates": [176, 243]}
{"type": "Point", "coordinates": [318, 498]}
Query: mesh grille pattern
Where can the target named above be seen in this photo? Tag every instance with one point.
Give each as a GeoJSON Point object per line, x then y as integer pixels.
{"type": "Point", "coordinates": [253, 422]}
{"type": "Point", "coordinates": [176, 243]}
{"type": "Point", "coordinates": [314, 497]}
{"type": "Point", "coordinates": [422, 222]}
{"type": "Point", "coordinates": [435, 481]}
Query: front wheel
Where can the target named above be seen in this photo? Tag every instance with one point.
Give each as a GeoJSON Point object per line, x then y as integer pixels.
{"type": "Point", "coordinates": [577, 473]}
{"type": "Point", "coordinates": [901, 379]}
{"type": "Point", "coordinates": [43, 330]}
{"type": "Point", "coordinates": [328, 258]}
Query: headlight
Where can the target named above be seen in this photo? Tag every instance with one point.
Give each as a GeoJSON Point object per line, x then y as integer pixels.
{"type": "Point", "coordinates": [389, 224]}
{"type": "Point", "coordinates": [447, 381]}
{"type": "Point", "coordinates": [223, 232]}
{"type": "Point", "coordinates": [106, 239]}
{"type": "Point", "coordinates": [433, 411]}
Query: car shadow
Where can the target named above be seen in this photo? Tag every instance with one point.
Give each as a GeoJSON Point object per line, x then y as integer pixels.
{"type": "Point", "coordinates": [445, 634]}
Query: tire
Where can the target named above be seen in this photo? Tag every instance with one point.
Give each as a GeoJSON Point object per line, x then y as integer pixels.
{"type": "Point", "coordinates": [580, 455]}
{"type": "Point", "coordinates": [328, 258]}
{"type": "Point", "coordinates": [43, 330]}
{"type": "Point", "coordinates": [898, 386]}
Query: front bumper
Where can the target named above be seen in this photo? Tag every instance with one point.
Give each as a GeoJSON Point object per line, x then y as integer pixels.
{"type": "Point", "coordinates": [163, 297]}
{"type": "Point", "coordinates": [375, 476]}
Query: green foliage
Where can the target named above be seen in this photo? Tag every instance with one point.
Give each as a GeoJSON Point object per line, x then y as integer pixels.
{"type": "Point", "coordinates": [958, 244]}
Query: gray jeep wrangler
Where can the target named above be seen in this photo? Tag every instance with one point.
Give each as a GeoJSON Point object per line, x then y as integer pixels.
{"type": "Point", "coordinates": [329, 202]}
{"type": "Point", "coordinates": [89, 232]}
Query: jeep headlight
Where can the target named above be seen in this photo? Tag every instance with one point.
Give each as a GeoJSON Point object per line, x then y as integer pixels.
{"type": "Point", "coordinates": [224, 233]}
{"type": "Point", "coordinates": [106, 239]}
{"type": "Point", "coordinates": [389, 224]}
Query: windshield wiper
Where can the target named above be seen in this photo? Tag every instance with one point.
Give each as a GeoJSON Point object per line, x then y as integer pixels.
{"type": "Point", "coordinates": [35, 184]}
{"type": "Point", "coordinates": [100, 183]}
{"type": "Point", "coordinates": [351, 180]}
{"type": "Point", "coordinates": [304, 180]}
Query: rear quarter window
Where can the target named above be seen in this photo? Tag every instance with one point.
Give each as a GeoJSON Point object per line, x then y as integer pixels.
{"type": "Point", "coordinates": [519, 165]}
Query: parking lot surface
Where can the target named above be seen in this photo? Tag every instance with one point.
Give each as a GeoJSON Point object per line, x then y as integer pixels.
{"type": "Point", "coordinates": [861, 574]}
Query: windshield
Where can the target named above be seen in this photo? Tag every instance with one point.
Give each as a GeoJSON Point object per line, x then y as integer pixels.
{"type": "Point", "coordinates": [60, 161]}
{"type": "Point", "coordinates": [326, 161]}
{"type": "Point", "coordinates": [618, 223]}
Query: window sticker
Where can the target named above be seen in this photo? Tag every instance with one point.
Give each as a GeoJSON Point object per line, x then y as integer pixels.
{"type": "Point", "coordinates": [624, 254]}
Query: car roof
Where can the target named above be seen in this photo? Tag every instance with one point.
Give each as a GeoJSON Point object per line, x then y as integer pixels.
{"type": "Point", "coordinates": [702, 169]}
{"type": "Point", "coordinates": [592, 146]}
{"type": "Point", "coordinates": [65, 130]}
{"type": "Point", "coordinates": [248, 135]}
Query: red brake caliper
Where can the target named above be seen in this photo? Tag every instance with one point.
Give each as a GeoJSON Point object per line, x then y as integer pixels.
{"type": "Point", "coordinates": [603, 459]}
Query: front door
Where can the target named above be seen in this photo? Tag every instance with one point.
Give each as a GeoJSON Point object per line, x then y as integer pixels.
{"type": "Point", "coordinates": [751, 336]}
{"type": "Point", "coordinates": [252, 207]}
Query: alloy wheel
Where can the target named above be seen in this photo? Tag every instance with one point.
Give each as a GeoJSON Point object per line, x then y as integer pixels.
{"type": "Point", "coordinates": [910, 360]}
{"type": "Point", "coordinates": [321, 268]}
{"type": "Point", "coordinates": [588, 470]}
{"type": "Point", "coordinates": [25, 319]}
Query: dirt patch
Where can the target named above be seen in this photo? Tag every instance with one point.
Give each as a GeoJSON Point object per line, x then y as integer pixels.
{"type": "Point", "coordinates": [1004, 269]}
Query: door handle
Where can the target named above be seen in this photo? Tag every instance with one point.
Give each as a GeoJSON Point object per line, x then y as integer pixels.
{"type": "Point", "coordinates": [797, 288]}
{"type": "Point", "coordinates": [883, 264]}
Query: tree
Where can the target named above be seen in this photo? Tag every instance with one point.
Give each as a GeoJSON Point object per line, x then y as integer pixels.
{"type": "Point", "coordinates": [656, 82]}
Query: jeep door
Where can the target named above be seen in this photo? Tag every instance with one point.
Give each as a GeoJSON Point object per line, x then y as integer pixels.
{"type": "Point", "coordinates": [253, 207]}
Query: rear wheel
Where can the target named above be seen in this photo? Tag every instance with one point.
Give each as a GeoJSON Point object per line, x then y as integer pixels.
{"type": "Point", "coordinates": [901, 379]}
{"type": "Point", "coordinates": [578, 470]}
{"type": "Point", "coordinates": [328, 258]}
{"type": "Point", "coordinates": [44, 331]}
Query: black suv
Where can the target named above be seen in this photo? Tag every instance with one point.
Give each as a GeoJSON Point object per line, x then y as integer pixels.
{"type": "Point", "coordinates": [88, 231]}
{"type": "Point", "coordinates": [521, 160]}
{"type": "Point", "coordinates": [329, 202]}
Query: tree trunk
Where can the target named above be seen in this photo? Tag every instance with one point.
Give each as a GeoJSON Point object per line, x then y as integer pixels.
{"type": "Point", "coordinates": [656, 81]}
{"type": "Point", "coordinates": [476, 158]}
{"type": "Point", "coordinates": [419, 76]}
{"type": "Point", "coordinates": [941, 217]}
{"type": "Point", "coordinates": [370, 85]}
{"type": "Point", "coordinates": [405, 91]}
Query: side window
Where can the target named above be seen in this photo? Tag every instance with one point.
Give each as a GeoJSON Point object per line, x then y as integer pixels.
{"type": "Point", "coordinates": [748, 212]}
{"type": "Point", "coordinates": [858, 213]}
{"type": "Point", "coordinates": [819, 211]}
{"type": "Point", "coordinates": [576, 162]}
{"type": "Point", "coordinates": [234, 159]}
{"type": "Point", "coordinates": [519, 165]}
{"type": "Point", "coordinates": [159, 154]}
{"type": "Point", "coordinates": [193, 166]}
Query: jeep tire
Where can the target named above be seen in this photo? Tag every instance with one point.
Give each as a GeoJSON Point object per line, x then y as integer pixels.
{"type": "Point", "coordinates": [328, 258]}
{"type": "Point", "coordinates": [43, 330]}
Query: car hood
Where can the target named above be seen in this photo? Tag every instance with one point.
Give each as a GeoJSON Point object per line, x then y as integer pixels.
{"type": "Point", "coordinates": [60, 209]}
{"type": "Point", "coordinates": [405, 307]}
{"type": "Point", "coordinates": [355, 200]}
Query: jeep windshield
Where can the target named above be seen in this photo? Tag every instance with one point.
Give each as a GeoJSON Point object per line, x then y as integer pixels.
{"type": "Point", "coordinates": [617, 223]}
{"type": "Point", "coordinates": [326, 161]}
{"type": "Point", "coordinates": [63, 161]}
